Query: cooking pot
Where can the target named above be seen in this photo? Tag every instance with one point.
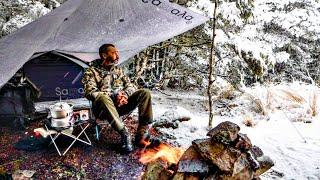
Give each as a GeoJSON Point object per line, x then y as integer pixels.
{"type": "Point", "coordinates": [61, 110]}
{"type": "Point", "coordinates": [62, 122]}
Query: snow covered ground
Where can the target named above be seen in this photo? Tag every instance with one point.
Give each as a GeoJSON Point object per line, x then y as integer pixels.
{"type": "Point", "coordinates": [287, 132]}
{"type": "Point", "coordinates": [286, 123]}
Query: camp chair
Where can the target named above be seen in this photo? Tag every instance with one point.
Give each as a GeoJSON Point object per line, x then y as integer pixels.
{"type": "Point", "coordinates": [97, 123]}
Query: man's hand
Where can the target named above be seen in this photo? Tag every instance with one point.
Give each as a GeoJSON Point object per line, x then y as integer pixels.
{"type": "Point", "coordinates": [121, 98]}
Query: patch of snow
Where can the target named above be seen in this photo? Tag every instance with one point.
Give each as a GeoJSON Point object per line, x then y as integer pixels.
{"type": "Point", "coordinates": [203, 6]}
{"type": "Point", "coordinates": [282, 56]}
{"type": "Point", "coordinates": [15, 23]}
{"type": "Point", "coordinates": [37, 10]}
{"type": "Point", "coordinates": [174, 113]}
{"type": "Point", "coordinates": [293, 145]}
{"type": "Point", "coordinates": [231, 13]}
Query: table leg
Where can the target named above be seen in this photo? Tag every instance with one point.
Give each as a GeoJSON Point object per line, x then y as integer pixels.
{"type": "Point", "coordinates": [53, 139]}
{"type": "Point", "coordinates": [76, 138]}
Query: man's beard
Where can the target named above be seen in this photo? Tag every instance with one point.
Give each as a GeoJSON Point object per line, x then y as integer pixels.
{"type": "Point", "coordinates": [110, 61]}
{"type": "Point", "coordinates": [113, 61]}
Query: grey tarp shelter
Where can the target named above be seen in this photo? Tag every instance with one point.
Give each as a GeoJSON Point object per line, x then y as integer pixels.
{"type": "Point", "coordinates": [78, 27]}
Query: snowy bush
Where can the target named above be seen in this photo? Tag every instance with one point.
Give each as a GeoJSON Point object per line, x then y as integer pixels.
{"type": "Point", "coordinates": [16, 13]}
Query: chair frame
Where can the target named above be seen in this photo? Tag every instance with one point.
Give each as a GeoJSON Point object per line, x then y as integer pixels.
{"type": "Point", "coordinates": [63, 131]}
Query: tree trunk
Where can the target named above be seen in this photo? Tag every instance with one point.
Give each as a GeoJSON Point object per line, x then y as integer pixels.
{"type": "Point", "coordinates": [157, 63]}
{"type": "Point", "coordinates": [137, 66]}
{"type": "Point", "coordinates": [141, 65]}
{"type": "Point", "coordinates": [163, 63]}
{"type": "Point", "coordinates": [212, 63]}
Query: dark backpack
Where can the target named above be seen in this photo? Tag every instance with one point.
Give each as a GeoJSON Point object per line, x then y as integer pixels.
{"type": "Point", "coordinates": [17, 102]}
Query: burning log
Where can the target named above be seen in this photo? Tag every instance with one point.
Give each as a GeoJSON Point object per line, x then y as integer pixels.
{"type": "Point", "coordinates": [164, 152]}
{"type": "Point", "coordinates": [226, 155]}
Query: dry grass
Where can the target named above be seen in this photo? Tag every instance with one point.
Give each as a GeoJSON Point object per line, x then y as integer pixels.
{"type": "Point", "coordinates": [313, 104]}
{"type": "Point", "coordinates": [259, 106]}
{"type": "Point", "coordinates": [228, 93]}
{"type": "Point", "coordinates": [270, 99]}
{"type": "Point", "coordinates": [294, 97]}
{"type": "Point", "coordinates": [248, 121]}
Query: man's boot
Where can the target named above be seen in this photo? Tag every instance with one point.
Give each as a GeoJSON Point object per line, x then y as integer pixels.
{"type": "Point", "coordinates": [126, 140]}
{"type": "Point", "coordinates": [143, 137]}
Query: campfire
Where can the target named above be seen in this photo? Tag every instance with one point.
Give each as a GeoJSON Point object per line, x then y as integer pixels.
{"type": "Point", "coordinates": [227, 154]}
{"type": "Point", "coordinates": [164, 152]}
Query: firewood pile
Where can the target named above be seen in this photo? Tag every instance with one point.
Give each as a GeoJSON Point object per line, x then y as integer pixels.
{"type": "Point", "coordinates": [226, 154]}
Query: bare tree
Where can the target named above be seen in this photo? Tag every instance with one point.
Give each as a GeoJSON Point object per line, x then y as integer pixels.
{"type": "Point", "coordinates": [140, 64]}
{"type": "Point", "coordinates": [212, 63]}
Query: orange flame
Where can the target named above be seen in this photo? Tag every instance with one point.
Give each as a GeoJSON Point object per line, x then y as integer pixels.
{"type": "Point", "coordinates": [164, 152]}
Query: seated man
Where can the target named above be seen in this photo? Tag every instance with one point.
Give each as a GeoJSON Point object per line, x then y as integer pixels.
{"type": "Point", "coordinates": [113, 95]}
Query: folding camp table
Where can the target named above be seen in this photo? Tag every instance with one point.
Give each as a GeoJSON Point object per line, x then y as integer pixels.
{"type": "Point", "coordinates": [67, 131]}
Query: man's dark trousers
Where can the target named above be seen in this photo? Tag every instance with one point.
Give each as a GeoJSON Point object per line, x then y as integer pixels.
{"type": "Point", "coordinates": [105, 109]}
